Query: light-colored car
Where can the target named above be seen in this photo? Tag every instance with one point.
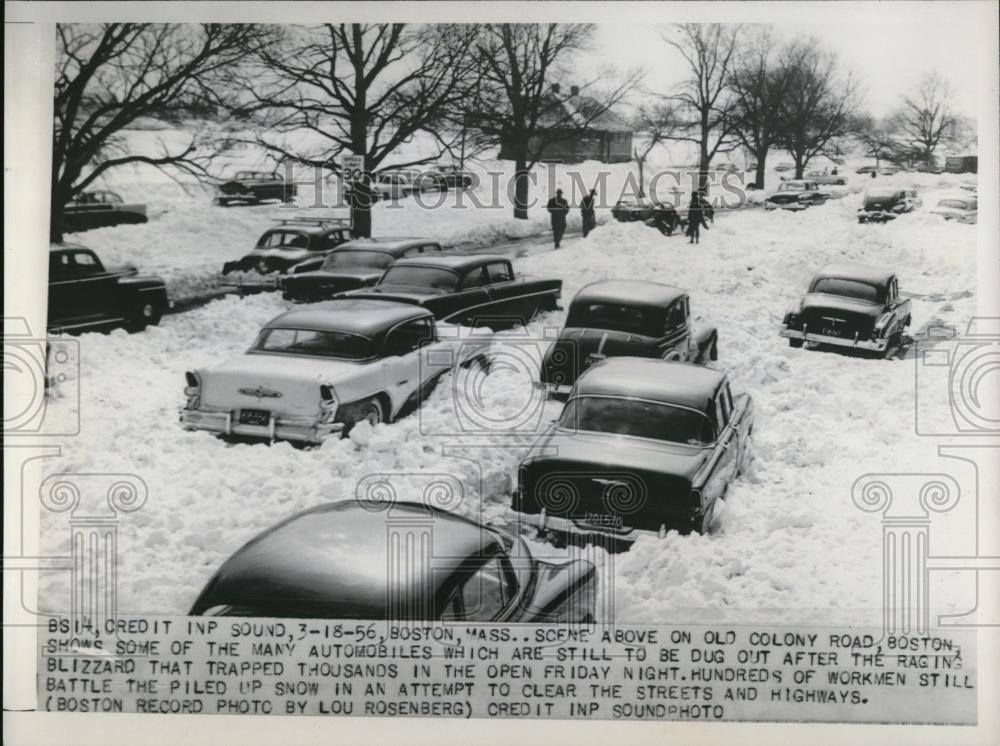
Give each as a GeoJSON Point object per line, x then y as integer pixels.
{"type": "Point", "coordinates": [824, 177]}
{"type": "Point", "coordinates": [318, 371]}
{"type": "Point", "coordinates": [786, 166]}
{"type": "Point", "coordinates": [961, 208]}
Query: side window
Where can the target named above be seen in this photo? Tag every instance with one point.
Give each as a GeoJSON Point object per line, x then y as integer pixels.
{"type": "Point", "coordinates": [476, 278]}
{"type": "Point", "coordinates": [483, 596]}
{"type": "Point", "coordinates": [86, 263]}
{"type": "Point", "coordinates": [500, 272]}
{"type": "Point", "coordinates": [59, 266]}
{"type": "Point", "coordinates": [676, 316]}
{"type": "Point", "coordinates": [409, 336]}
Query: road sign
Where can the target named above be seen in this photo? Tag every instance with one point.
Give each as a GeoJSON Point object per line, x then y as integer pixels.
{"type": "Point", "coordinates": [353, 166]}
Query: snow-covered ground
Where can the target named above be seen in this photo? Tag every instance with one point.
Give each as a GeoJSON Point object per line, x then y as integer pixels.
{"type": "Point", "coordinates": [791, 548]}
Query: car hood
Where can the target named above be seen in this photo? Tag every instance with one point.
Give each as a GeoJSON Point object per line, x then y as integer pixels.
{"type": "Point", "coordinates": [285, 383]}
{"type": "Point", "coordinates": [619, 452]}
{"type": "Point", "coordinates": [561, 592]}
{"type": "Point", "coordinates": [824, 302]}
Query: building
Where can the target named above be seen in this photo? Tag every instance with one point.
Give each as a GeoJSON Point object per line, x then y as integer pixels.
{"type": "Point", "coordinates": [578, 128]}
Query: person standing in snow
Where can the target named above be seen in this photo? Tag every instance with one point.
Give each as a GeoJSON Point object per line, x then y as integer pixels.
{"type": "Point", "coordinates": [696, 217]}
{"type": "Point", "coordinates": [558, 208]}
{"type": "Point", "coordinates": [587, 213]}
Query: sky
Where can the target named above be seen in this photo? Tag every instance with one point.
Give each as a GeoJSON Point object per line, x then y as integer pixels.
{"type": "Point", "coordinates": [889, 53]}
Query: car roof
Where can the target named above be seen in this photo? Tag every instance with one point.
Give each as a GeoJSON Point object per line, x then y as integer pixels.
{"type": "Point", "coordinates": [631, 292]}
{"type": "Point", "coordinates": [452, 261]}
{"type": "Point", "coordinates": [651, 378]}
{"type": "Point", "coordinates": [68, 247]}
{"type": "Point", "coordinates": [886, 191]}
{"type": "Point", "coordinates": [305, 227]}
{"type": "Point", "coordinates": [857, 271]}
{"type": "Point", "coordinates": [336, 557]}
{"type": "Point", "coordinates": [354, 315]}
{"type": "Point", "coordinates": [395, 246]}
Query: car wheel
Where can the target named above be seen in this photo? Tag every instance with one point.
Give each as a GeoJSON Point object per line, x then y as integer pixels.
{"type": "Point", "coordinates": [144, 314]}
{"type": "Point", "coordinates": [370, 411]}
{"type": "Point", "coordinates": [795, 343]}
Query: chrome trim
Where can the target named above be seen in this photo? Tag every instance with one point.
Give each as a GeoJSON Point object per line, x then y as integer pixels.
{"type": "Point", "coordinates": [863, 344]}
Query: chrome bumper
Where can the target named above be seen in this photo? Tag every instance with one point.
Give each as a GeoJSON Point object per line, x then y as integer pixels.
{"type": "Point", "coordinates": [568, 526]}
{"type": "Point", "coordinates": [878, 345]}
{"type": "Point", "coordinates": [554, 390]}
{"type": "Point", "coordinates": [304, 429]}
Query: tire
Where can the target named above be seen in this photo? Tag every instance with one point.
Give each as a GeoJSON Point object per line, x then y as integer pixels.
{"type": "Point", "coordinates": [369, 409]}
{"type": "Point", "coordinates": [713, 349]}
{"type": "Point", "coordinates": [795, 343]}
{"type": "Point", "coordinates": [144, 314]}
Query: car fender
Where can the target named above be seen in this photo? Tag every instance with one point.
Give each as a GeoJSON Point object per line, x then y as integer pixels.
{"type": "Point", "coordinates": [703, 339]}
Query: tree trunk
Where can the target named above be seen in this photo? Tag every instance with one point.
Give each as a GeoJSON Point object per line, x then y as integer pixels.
{"type": "Point", "coordinates": [704, 164]}
{"type": "Point", "coordinates": [361, 211]}
{"type": "Point", "coordinates": [758, 177]}
{"type": "Point", "coordinates": [521, 185]}
{"type": "Point", "coordinates": [642, 189]}
{"type": "Point", "coordinates": [800, 168]}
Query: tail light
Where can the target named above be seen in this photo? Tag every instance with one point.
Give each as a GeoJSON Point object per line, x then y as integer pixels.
{"type": "Point", "coordinates": [193, 389]}
{"type": "Point", "coordinates": [327, 403]}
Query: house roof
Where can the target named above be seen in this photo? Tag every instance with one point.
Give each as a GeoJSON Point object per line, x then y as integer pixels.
{"type": "Point", "coordinates": [580, 111]}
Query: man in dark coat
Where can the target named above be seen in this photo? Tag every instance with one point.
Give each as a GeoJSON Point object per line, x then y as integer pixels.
{"type": "Point", "coordinates": [587, 212]}
{"type": "Point", "coordinates": [558, 208]}
{"type": "Point", "coordinates": [696, 217]}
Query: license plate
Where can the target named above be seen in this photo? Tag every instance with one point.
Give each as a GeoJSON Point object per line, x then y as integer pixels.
{"type": "Point", "coordinates": [259, 417]}
{"type": "Point", "coordinates": [601, 520]}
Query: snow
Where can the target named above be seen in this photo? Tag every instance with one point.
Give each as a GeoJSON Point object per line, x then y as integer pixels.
{"type": "Point", "coordinates": [790, 547]}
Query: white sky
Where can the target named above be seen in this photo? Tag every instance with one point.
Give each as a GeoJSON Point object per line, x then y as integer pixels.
{"type": "Point", "coordinates": [889, 53]}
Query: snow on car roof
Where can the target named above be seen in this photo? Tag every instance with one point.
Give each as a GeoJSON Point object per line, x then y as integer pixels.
{"type": "Point", "coordinates": [637, 292]}
{"type": "Point", "coordinates": [685, 384]}
{"type": "Point", "coordinates": [389, 245]}
{"type": "Point", "coordinates": [333, 559]}
{"type": "Point", "coordinates": [455, 262]}
{"type": "Point", "coordinates": [856, 271]}
{"type": "Point", "coordinates": [356, 315]}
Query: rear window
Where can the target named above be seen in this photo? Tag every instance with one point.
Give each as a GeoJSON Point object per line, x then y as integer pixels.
{"type": "Point", "coordinates": [351, 258]}
{"type": "Point", "coordinates": [638, 418]}
{"type": "Point", "coordinates": [434, 278]}
{"type": "Point", "coordinates": [848, 289]}
{"type": "Point", "coordinates": [284, 240]}
{"type": "Point", "coordinates": [314, 343]}
{"type": "Point", "coordinates": [613, 316]}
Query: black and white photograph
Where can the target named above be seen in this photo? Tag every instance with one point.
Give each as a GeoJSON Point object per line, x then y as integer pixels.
{"type": "Point", "coordinates": [575, 373]}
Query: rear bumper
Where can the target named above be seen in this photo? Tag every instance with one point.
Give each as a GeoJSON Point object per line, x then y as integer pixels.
{"type": "Point", "coordinates": [303, 429]}
{"type": "Point", "coordinates": [878, 345]}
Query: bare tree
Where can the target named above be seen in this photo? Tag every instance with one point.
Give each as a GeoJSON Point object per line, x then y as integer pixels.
{"type": "Point", "coordinates": [515, 104]}
{"type": "Point", "coordinates": [879, 139]}
{"type": "Point", "coordinates": [659, 122]}
{"type": "Point", "coordinates": [363, 90]}
{"type": "Point", "coordinates": [759, 82]}
{"type": "Point", "coordinates": [709, 50]}
{"type": "Point", "coordinates": [108, 76]}
{"type": "Point", "coordinates": [819, 103]}
{"type": "Point", "coordinates": [927, 118]}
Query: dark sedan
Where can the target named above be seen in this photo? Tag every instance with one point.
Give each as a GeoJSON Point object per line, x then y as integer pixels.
{"type": "Point", "coordinates": [476, 290]}
{"type": "Point", "coordinates": [641, 445]}
{"type": "Point", "coordinates": [291, 242]}
{"type": "Point", "coordinates": [796, 195]}
{"type": "Point", "coordinates": [338, 561]}
{"type": "Point", "coordinates": [882, 204]}
{"type": "Point", "coordinates": [355, 264]}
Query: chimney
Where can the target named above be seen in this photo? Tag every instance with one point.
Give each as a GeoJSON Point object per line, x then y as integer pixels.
{"type": "Point", "coordinates": [574, 90]}
{"type": "Point", "coordinates": [555, 88]}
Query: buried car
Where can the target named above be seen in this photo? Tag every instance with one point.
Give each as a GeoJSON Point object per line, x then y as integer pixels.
{"type": "Point", "coordinates": [333, 562]}
{"type": "Point", "coordinates": [797, 194]}
{"type": "Point", "coordinates": [100, 208]}
{"type": "Point", "coordinates": [882, 204]}
{"type": "Point", "coordinates": [961, 208]}
{"type": "Point", "coordinates": [84, 295]}
{"type": "Point", "coordinates": [355, 264]}
{"type": "Point", "coordinates": [292, 241]}
{"type": "Point", "coordinates": [850, 305]}
{"type": "Point", "coordinates": [318, 371]}
{"type": "Point", "coordinates": [479, 290]}
{"type": "Point", "coordinates": [641, 445]}
{"type": "Point", "coordinates": [635, 318]}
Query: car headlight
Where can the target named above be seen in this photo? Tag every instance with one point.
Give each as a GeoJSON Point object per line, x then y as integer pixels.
{"type": "Point", "coordinates": [328, 403]}
{"type": "Point", "coordinates": [192, 390]}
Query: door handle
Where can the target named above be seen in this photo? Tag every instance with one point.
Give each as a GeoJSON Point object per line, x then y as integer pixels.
{"type": "Point", "coordinates": [400, 383]}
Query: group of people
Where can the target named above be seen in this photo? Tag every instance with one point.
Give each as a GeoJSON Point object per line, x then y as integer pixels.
{"type": "Point", "coordinates": [558, 209]}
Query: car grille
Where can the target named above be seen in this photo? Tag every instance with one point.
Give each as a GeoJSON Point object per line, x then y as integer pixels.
{"type": "Point", "coordinates": [840, 324]}
{"type": "Point", "coordinates": [257, 417]}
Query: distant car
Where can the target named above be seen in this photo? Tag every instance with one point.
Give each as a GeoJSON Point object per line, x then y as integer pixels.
{"type": "Point", "coordinates": [882, 204]}
{"type": "Point", "coordinates": [857, 306]}
{"type": "Point", "coordinates": [730, 167]}
{"type": "Point", "coordinates": [786, 166]}
{"type": "Point", "coordinates": [479, 290]}
{"type": "Point", "coordinates": [253, 187]}
{"type": "Point", "coordinates": [822, 177]}
{"type": "Point", "coordinates": [452, 177]}
{"type": "Point", "coordinates": [796, 195]}
{"type": "Point", "coordinates": [355, 264]}
{"type": "Point", "coordinates": [960, 208]}
{"type": "Point", "coordinates": [100, 208]}
{"type": "Point", "coordinates": [634, 318]}
{"type": "Point", "coordinates": [660, 215]}
{"type": "Point", "coordinates": [889, 170]}
{"type": "Point", "coordinates": [395, 184]}
{"type": "Point", "coordinates": [928, 168]}
{"type": "Point", "coordinates": [867, 170]}
{"type": "Point", "coordinates": [336, 561]}
{"type": "Point", "coordinates": [84, 296]}
{"type": "Point", "coordinates": [320, 370]}
{"type": "Point", "coordinates": [641, 446]}
{"type": "Point", "coordinates": [291, 242]}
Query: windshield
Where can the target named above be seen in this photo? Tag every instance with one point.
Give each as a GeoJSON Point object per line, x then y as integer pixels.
{"type": "Point", "coordinates": [314, 343]}
{"type": "Point", "coordinates": [638, 418]}
{"type": "Point", "coordinates": [352, 258]}
{"type": "Point", "coordinates": [284, 240]}
{"type": "Point", "coordinates": [958, 204]}
{"type": "Point", "coordinates": [792, 186]}
{"type": "Point", "coordinates": [614, 316]}
{"type": "Point", "coordinates": [882, 196]}
{"type": "Point", "coordinates": [847, 288]}
{"type": "Point", "coordinates": [436, 278]}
